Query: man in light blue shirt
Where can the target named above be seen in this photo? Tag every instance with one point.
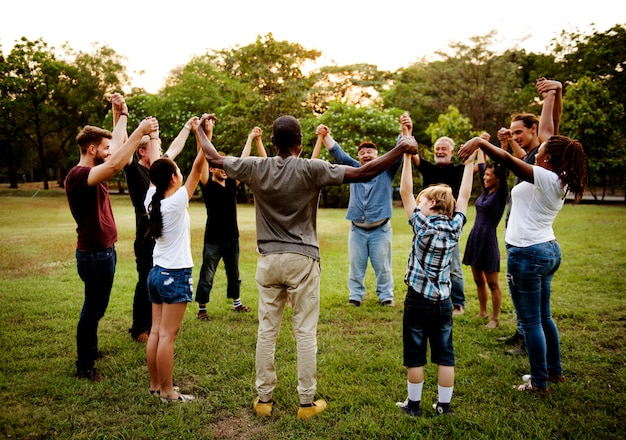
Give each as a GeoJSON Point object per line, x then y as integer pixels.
{"type": "Point", "coordinates": [369, 211]}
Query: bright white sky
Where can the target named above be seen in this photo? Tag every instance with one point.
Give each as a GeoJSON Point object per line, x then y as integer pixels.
{"type": "Point", "coordinates": [155, 37]}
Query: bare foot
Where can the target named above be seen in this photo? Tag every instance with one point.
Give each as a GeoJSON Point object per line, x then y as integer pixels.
{"type": "Point", "coordinates": [482, 315]}
{"type": "Point", "coordinates": [493, 323]}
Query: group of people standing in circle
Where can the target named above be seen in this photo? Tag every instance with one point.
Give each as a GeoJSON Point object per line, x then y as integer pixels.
{"type": "Point", "coordinates": [286, 190]}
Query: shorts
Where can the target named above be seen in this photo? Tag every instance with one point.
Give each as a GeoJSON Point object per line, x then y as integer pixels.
{"type": "Point", "coordinates": [425, 321]}
{"type": "Point", "coordinates": [170, 286]}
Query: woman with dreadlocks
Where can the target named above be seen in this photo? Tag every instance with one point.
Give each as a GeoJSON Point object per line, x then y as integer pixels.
{"type": "Point", "coordinates": [170, 282]}
{"type": "Point", "coordinates": [533, 254]}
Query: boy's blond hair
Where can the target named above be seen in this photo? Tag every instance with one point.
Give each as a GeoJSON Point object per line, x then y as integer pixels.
{"type": "Point", "coordinates": [442, 195]}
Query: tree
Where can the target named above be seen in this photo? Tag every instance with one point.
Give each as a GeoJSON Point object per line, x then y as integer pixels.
{"type": "Point", "coordinates": [589, 119]}
{"type": "Point", "coordinates": [46, 98]}
{"type": "Point", "coordinates": [350, 125]}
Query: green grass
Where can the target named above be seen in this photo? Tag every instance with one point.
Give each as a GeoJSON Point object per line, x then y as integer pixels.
{"type": "Point", "coordinates": [360, 370]}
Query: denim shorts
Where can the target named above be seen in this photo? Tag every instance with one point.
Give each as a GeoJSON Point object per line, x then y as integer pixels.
{"type": "Point", "coordinates": [170, 286]}
{"type": "Point", "coordinates": [425, 321]}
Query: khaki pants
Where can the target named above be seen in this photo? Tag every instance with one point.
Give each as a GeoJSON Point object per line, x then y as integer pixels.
{"type": "Point", "coordinates": [277, 276]}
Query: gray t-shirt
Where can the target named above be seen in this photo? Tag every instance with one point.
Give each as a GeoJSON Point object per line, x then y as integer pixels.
{"type": "Point", "coordinates": [286, 194]}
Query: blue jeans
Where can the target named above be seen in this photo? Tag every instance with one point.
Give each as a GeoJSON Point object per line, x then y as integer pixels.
{"type": "Point", "coordinates": [424, 322]}
{"type": "Point", "coordinates": [375, 245]}
{"type": "Point", "coordinates": [211, 255]}
{"type": "Point", "coordinates": [456, 278]}
{"type": "Point", "coordinates": [530, 272]}
{"type": "Point", "coordinates": [97, 270]}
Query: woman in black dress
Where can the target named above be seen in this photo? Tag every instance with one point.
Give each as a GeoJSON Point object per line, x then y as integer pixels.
{"type": "Point", "coordinates": [481, 251]}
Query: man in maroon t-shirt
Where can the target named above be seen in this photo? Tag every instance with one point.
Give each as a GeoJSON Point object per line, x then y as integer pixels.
{"type": "Point", "coordinates": [102, 155]}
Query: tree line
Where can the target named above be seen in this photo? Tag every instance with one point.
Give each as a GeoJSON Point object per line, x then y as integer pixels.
{"type": "Point", "coordinates": [48, 94]}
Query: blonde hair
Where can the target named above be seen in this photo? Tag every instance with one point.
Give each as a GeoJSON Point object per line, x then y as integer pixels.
{"type": "Point", "coordinates": [442, 195]}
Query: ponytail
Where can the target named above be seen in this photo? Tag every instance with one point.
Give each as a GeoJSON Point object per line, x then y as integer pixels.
{"type": "Point", "coordinates": [161, 172]}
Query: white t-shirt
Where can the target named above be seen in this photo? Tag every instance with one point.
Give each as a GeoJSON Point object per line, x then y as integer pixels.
{"type": "Point", "coordinates": [173, 248]}
{"type": "Point", "coordinates": [534, 208]}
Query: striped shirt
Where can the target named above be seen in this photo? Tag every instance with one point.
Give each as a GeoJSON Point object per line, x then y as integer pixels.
{"type": "Point", "coordinates": [428, 269]}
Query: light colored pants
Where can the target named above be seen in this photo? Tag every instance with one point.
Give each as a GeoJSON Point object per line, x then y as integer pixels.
{"type": "Point", "coordinates": [277, 276]}
{"type": "Point", "coordinates": [374, 245]}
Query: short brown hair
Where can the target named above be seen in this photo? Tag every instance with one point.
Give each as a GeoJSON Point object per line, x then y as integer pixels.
{"type": "Point", "coordinates": [91, 135]}
{"type": "Point", "coordinates": [528, 119]}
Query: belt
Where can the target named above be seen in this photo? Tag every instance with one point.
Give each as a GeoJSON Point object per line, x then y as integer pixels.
{"type": "Point", "coordinates": [372, 227]}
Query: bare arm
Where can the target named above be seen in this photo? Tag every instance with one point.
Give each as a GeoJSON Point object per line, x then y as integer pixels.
{"type": "Point", "coordinates": [194, 175]}
{"type": "Point", "coordinates": [260, 148]}
{"type": "Point", "coordinates": [123, 154]}
{"type": "Point", "coordinates": [552, 93]}
{"type": "Point", "coordinates": [406, 186]}
{"type": "Point", "coordinates": [375, 167]}
{"type": "Point", "coordinates": [504, 136]}
{"type": "Point", "coordinates": [465, 190]}
{"type": "Point", "coordinates": [179, 141]}
{"type": "Point", "coordinates": [120, 122]}
{"type": "Point", "coordinates": [517, 166]}
{"type": "Point", "coordinates": [214, 159]}
{"type": "Point", "coordinates": [208, 128]}
{"type": "Point", "coordinates": [318, 147]}
{"type": "Point", "coordinates": [254, 135]}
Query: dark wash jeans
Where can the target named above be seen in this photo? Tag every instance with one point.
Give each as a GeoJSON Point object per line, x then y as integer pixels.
{"type": "Point", "coordinates": [142, 307]}
{"type": "Point", "coordinates": [97, 270]}
{"type": "Point", "coordinates": [529, 274]}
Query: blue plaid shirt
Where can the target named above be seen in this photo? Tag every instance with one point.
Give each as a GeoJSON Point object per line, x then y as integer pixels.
{"type": "Point", "coordinates": [428, 269]}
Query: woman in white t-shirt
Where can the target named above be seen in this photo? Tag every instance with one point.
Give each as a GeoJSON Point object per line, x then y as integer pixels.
{"type": "Point", "coordinates": [170, 284]}
{"type": "Point", "coordinates": [533, 254]}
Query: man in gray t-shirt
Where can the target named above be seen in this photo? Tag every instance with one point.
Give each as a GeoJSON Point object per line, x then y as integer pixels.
{"type": "Point", "coordinates": [286, 191]}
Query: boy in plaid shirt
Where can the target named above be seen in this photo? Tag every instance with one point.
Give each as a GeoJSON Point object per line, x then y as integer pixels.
{"type": "Point", "coordinates": [437, 221]}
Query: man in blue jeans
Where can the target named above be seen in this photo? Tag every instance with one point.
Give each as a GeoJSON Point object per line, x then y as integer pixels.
{"type": "Point", "coordinates": [369, 211]}
{"type": "Point", "coordinates": [102, 155]}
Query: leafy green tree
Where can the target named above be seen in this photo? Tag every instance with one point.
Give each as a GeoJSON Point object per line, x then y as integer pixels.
{"type": "Point", "coordinates": [46, 97]}
{"type": "Point", "coordinates": [358, 84]}
{"type": "Point", "coordinates": [590, 120]}
{"type": "Point", "coordinates": [349, 126]}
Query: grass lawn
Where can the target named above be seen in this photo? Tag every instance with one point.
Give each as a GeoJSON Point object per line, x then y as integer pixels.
{"type": "Point", "coordinates": [360, 371]}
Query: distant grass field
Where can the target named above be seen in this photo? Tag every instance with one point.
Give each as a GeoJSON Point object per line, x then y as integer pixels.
{"type": "Point", "coordinates": [360, 371]}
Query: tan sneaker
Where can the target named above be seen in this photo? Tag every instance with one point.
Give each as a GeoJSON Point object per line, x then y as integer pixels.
{"type": "Point", "coordinates": [262, 409]}
{"type": "Point", "coordinates": [306, 412]}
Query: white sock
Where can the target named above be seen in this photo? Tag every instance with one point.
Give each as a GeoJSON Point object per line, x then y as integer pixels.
{"type": "Point", "coordinates": [415, 390]}
{"type": "Point", "coordinates": [445, 394]}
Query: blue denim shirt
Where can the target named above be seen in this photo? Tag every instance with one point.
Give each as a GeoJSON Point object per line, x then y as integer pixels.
{"type": "Point", "coordinates": [370, 201]}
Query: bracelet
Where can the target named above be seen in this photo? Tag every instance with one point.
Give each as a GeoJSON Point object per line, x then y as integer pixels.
{"type": "Point", "coordinates": [187, 127]}
{"type": "Point", "coordinates": [123, 114]}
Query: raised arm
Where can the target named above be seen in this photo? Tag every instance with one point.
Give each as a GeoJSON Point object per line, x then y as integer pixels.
{"type": "Point", "coordinates": [551, 92]}
{"type": "Point", "coordinates": [179, 141]}
{"type": "Point", "coordinates": [214, 159]}
{"type": "Point", "coordinates": [194, 175]}
{"type": "Point", "coordinates": [465, 190]}
{"type": "Point", "coordinates": [255, 135]}
{"type": "Point", "coordinates": [318, 146]}
{"type": "Point", "coordinates": [120, 122]}
{"type": "Point", "coordinates": [517, 166]}
{"type": "Point", "coordinates": [407, 129]}
{"type": "Point", "coordinates": [123, 154]}
{"type": "Point", "coordinates": [506, 140]}
{"type": "Point", "coordinates": [260, 148]}
{"type": "Point", "coordinates": [208, 129]}
{"type": "Point", "coordinates": [406, 186]}
{"type": "Point", "coordinates": [408, 144]}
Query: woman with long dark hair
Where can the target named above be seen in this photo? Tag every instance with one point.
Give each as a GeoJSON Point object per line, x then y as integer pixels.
{"type": "Point", "coordinates": [170, 284]}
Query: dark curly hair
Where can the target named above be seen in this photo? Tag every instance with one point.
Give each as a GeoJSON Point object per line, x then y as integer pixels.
{"type": "Point", "coordinates": [567, 158]}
